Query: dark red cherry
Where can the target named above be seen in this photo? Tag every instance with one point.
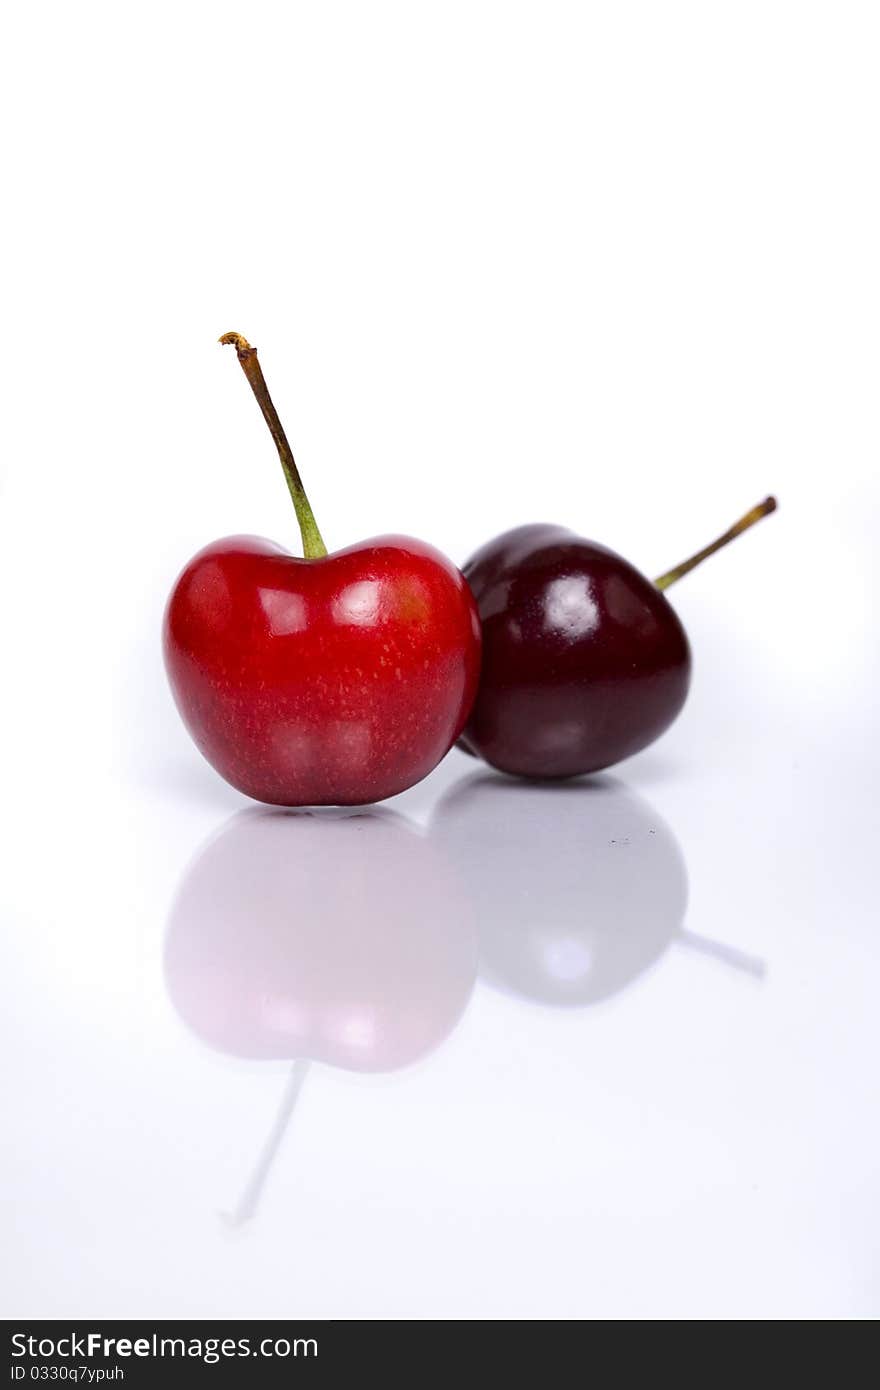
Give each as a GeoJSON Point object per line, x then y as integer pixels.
{"type": "Point", "coordinates": [585, 661]}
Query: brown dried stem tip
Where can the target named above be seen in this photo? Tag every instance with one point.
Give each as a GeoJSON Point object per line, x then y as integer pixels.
{"type": "Point", "coordinates": [240, 344]}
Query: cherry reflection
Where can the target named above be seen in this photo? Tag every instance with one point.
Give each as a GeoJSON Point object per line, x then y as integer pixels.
{"type": "Point", "coordinates": [353, 939]}
{"type": "Point", "coordinates": [578, 887]}
{"type": "Point", "coordinates": [338, 936]}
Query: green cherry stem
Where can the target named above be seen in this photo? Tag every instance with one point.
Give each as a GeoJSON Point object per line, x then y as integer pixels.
{"type": "Point", "coordinates": [763, 509]}
{"type": "Point", "coordinates": [313, 544]}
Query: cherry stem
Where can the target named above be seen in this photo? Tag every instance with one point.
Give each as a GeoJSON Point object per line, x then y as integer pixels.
{"type": "Point", "coordinates": [313, 544]}
{"type": "Point", "coordinates": [763, 509]}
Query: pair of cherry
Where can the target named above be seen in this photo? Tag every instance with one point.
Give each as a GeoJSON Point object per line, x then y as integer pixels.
{"type": "Point", "coordinates": [346, 678]}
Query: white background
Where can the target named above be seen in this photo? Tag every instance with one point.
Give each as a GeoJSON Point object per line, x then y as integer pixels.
{"type": "Point", "coordinates": [614, 265]}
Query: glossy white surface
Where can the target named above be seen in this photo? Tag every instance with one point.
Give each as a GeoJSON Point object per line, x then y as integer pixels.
{"type": "Point", "coordinates": [613, 265]}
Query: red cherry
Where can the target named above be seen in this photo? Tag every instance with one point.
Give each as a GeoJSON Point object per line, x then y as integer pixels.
{"type": "Point", "coordinates": [333, 679]}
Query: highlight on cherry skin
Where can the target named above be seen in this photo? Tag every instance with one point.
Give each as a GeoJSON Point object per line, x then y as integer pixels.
{"type": "Point", "coordinates": [329, 679]}
{"type": "Point", "coordinates": [585, 661]}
